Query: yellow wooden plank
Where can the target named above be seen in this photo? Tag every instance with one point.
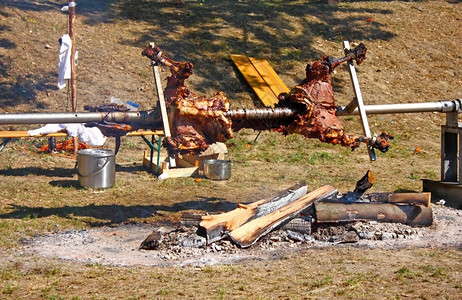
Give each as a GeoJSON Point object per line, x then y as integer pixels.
{"type": "Point", "coordinates": [269, 75]}
{"type": "Point", "coordinates": [25, 133]}
{"type": "Point", "coordinates": [254, 79]}
{"type": "Point", "coordinates": [145, 132]}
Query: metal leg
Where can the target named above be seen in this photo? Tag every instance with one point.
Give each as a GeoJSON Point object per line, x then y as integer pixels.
{"type": "Point", "coordinates": [450, 137]}
{"type": "Point", "coordinates": [4, 143]}
{"type": "Point", "coordinates": [154, 148]}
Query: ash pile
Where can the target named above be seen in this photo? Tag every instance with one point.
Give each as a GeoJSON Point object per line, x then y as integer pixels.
{"type": "Point", "coordinates": [294, 217]}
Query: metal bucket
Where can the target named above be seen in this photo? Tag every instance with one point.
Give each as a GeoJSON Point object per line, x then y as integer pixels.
{"type": "Point", "coordinates": [217, 169]}
{"type": "Point", "coordinates": [96, 168]}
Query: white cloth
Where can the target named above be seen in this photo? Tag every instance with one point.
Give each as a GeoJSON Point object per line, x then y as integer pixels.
{"type": "Point", "coordinates": [64, 61]}
{"type": "Point", "coordinates": [49, 128]}
{"type": "Point", "coordinates": [91, 136]}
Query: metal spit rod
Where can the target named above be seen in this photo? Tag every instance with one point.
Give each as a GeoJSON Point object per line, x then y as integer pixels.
{"type": "Point", "coordinates": [146, 118]}
{"type": "Point", "coordinates": [141, 117]}
{"type": "Point", "coordinates": [443, 106]}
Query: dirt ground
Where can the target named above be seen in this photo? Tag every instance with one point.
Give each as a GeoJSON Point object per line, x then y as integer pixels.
{"type": "Point", "coordinates": [120, 245]}
{"type": "Point", "coordinates": [59, 241]}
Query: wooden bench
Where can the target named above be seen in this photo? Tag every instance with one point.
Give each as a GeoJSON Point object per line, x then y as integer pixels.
{"type": "Point", "coordinates": [154, 145]}
{"type": "Point", "coordinates": [24, 134]}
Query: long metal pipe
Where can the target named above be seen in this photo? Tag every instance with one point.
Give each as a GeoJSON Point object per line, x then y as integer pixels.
{"type": "Point", "coordinates": [140, 117]}
{"type": "Point", "coordinates": [146, 118]}
{"type": "Point", "coordinates": [443, 106]}
{"type": "Point", "coordinates": [260, 113]}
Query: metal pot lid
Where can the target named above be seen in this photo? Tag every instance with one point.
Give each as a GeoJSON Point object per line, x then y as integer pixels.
{"type": "Point", "coordinates": [96, 152]}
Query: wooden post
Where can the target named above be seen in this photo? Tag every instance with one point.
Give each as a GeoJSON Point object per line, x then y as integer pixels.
{"type": "Point", "coordinates": [73, 83]}
{"type": "Point", "coordinates": [163, 109]}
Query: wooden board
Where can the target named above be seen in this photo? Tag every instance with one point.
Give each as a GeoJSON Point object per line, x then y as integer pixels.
{"type": "Point", "coordinates": [187, 170]}
{"type": "Point", "coordinates": [25, 133]}
{"type": "Point", "coordinates": [255, 80]}
{"type": "Point", "coordinates": [269, 76]}
{"type": "Point", "coordinates": [216, 225]}
{"type": "Point", "coordinates": [247, 234]}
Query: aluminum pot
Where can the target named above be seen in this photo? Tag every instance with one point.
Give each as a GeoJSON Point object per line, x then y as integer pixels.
{"type": "Point", "coordinates": [217, 169]}
{"type": "Point", "coordinates": [96, 168]}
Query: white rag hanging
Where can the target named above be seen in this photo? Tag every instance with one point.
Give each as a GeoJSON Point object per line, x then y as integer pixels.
{"type": "Point", "coordinates": [64, 61]}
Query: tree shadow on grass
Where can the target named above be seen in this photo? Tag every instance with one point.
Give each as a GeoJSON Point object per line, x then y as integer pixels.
{"type": "Point", "coordinates": [55, 172]}
{"type": "Point", "coordinates": [106, 215]}
{"type": "Point", "coordinates": [62, 172]}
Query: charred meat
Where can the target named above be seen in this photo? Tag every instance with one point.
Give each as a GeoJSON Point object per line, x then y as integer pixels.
{"type": "Point", "coordinates": [195, 121]}
{"type": "Point", "coordinates": [314, 98]}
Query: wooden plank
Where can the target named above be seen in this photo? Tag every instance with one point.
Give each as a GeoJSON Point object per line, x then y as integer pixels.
{"type": "Point", "coordinates": [171, 172]}
{"type": "Point", "coordinates": [25, 133]}
{"type": "Point", "coordinates": [250, 232]}
{"type": "Point", "coordinates": [256, 82]}
{"type": "Point", "coordinates": [163, 109]}
{"type": "Point", "coordinates": [216, 225]}
{"type": "Point", "coordinates": [146, 132]}
{"type": "Point", "coordinates": [269, 76]}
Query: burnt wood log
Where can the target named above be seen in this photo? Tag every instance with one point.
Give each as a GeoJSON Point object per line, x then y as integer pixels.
{"type": "Point", "coordinates": [396, 198]}
{"type": "Point", "coordinates": [413, 215]}
{"type": "Point", "coordinates": [365, 183]}
{"type": "Point", "coordinates": [247, 234]}
{"type": "Point", "coordinates": [217, 225]}
{"type": "Point", "coordinates": [403, 198]}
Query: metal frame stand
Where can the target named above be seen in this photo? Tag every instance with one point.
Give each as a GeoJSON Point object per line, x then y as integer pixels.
{"type": "Point", "coordinates": [450, 186]}
{"type": "Point", "coordinates": [154, 147]}
{"type": "Point", "coordinates": [358, 102]}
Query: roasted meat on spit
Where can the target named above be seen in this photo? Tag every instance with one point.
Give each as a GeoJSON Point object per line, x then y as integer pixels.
{"type": "Point", "coordinates": [115, 129]}
{"type": "Point", "coordinates": [314, 99]}
{"type": "Point", "coordinates": [308, 109]}
{"type": "Point", "coordinates": [195, 121]}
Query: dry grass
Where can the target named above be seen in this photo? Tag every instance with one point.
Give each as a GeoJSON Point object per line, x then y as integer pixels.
{"type": "Point", "coordinates": [413, 56]}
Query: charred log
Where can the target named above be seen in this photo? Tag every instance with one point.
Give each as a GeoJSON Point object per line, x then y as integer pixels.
{"type": "Point", "coordinates": [413, 215]}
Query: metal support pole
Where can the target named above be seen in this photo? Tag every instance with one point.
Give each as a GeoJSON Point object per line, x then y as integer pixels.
{"type": "Point", "coordinates": [444, 106]}
{"type": "Point", "coordinates": [359, 102]}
